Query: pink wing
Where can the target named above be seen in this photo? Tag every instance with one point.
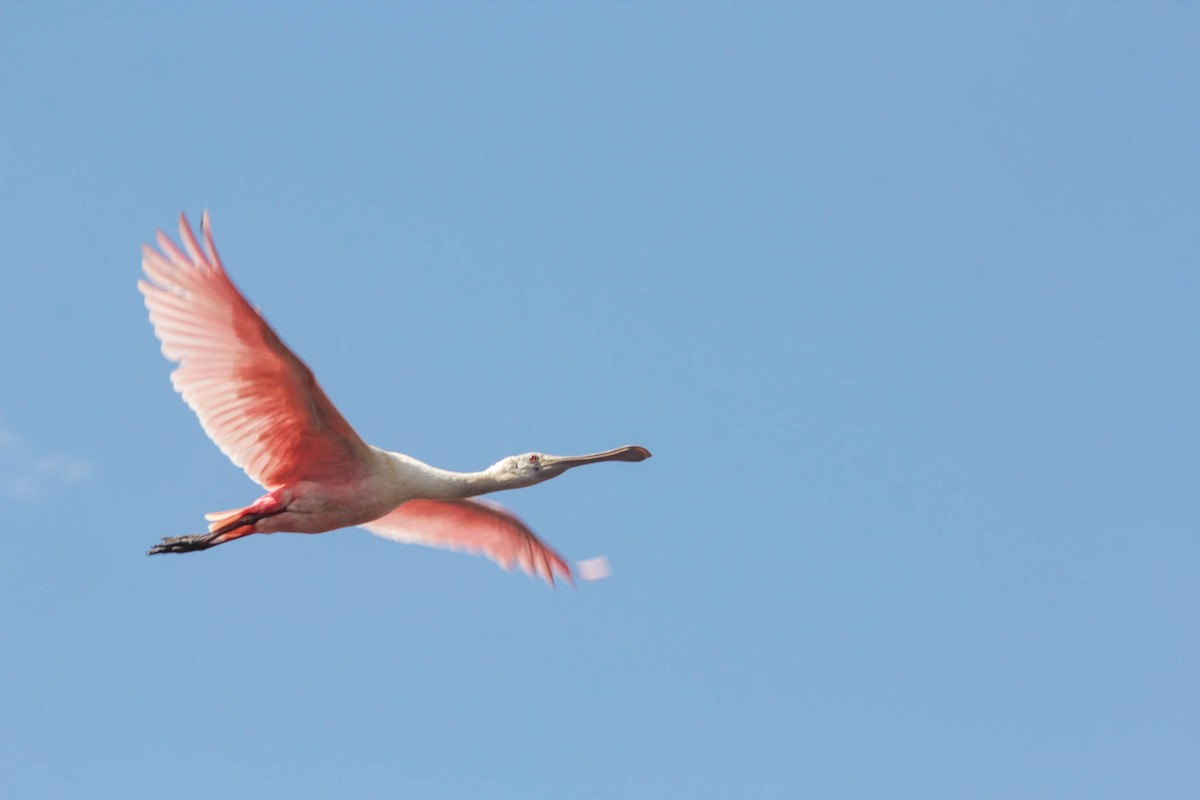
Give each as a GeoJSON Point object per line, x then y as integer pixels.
{"type": "Point", "coordinates": [255, 399]}
{"type": "Point", "coordinates": [474, 526]}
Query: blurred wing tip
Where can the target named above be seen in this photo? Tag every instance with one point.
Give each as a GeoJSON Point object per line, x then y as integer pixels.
{"type": "Point", "coordinates": [594, 569]}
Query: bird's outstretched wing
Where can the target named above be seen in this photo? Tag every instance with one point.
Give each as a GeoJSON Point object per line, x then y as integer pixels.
{"type": "Point", "coordinates": [255, 399]}
{"type": "Point", "coordinates": [473, 526]}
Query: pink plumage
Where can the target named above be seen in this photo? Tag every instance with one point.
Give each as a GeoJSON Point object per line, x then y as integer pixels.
{"type": "Point", "coordinates": [256, 400]}
{"type": "Point", "coordinates": [473, 526]}
{"type": "Point", "coordinates": [263, 408]}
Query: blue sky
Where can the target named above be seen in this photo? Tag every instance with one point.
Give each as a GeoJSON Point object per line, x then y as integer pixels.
{"type": "Point", "coordinates": [901, 296]}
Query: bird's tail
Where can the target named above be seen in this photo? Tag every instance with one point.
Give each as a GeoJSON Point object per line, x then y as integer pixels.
{"type": "Point", "coordinates": [217, 519]}
{"type": "Point", "coordinates": [236, 518]}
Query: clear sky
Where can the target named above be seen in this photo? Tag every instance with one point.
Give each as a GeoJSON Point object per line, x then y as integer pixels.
{"type": "Point", "coordinates": [902, 297]}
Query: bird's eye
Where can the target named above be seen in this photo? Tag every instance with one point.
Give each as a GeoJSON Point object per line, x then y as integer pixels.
{"type": "Point", "coordinates": [533, 459]}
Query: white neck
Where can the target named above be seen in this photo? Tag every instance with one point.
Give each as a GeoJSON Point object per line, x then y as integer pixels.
{"type": "Point", "coordinates": [414, 478]}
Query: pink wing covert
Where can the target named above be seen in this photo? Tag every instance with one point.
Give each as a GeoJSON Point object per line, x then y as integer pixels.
{"type": "Point", "coordinates": [256, 400]}
{"type": "Point", "coordinates": [474, 526]}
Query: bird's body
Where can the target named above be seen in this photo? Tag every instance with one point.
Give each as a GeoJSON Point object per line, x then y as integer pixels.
{"type": "Point", "coordinates": [262, 406]}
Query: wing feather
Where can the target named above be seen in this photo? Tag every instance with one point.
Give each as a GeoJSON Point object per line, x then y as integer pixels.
{"type": "Point", "coordinates": [256, 400]}
{"type": "Point", "coordinates": [473, 526]}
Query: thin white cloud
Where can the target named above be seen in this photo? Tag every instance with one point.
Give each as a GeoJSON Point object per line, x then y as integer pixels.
{"type": "Point", "coordinates": [26, 472]}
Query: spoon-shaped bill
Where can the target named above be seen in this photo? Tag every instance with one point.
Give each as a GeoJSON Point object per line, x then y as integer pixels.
{"type": "Point", "coordinates": [628, 453]}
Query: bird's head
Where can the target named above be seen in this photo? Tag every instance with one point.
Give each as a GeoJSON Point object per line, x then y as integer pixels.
{"type": "Point", "coordinates": [530, 468]}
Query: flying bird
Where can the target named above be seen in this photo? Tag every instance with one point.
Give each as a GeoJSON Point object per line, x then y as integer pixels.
{"type": "Point", "coordinates": [261, 405]}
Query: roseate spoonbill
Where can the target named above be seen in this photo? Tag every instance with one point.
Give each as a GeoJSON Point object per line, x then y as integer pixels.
{"type": "Point", "coordinates": [262, 406]}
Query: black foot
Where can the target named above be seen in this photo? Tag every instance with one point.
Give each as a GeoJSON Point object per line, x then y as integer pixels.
{"type": "Point", "coordinates": [183, 544]}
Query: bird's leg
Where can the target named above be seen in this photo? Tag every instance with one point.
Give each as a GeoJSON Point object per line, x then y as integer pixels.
{"type": "Point", "coordinates": [238, 525]}
{"type": "Point", "coordinates": [246, 520]}
{"type": "Point", "coordinates": [203, 541]}
{"type": "Point", "coordinates": [183, 544]}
